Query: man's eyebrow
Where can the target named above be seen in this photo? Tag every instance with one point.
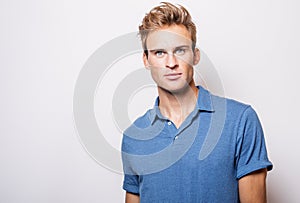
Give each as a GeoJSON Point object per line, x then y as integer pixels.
{"type": "Point", "coordinates": [154, 50]}
{"type": "Point", "coordinates": [182, 46]}
{"type": "Point", "coordinates": [163, 49]}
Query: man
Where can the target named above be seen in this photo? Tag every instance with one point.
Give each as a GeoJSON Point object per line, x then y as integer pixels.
{"type": "Point", "coordinates": [192, 146]}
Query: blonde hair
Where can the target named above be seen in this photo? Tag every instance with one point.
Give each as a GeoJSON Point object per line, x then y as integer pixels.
{"type": "Point", "coordinates": [166, 14]}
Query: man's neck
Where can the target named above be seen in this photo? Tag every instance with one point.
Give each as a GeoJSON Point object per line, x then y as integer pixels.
{"type": "Point", "coordinates": [177, 106]}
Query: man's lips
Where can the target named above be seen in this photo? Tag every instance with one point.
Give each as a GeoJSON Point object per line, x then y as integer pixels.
{"type": "Point", "coordinates": [173, 76]}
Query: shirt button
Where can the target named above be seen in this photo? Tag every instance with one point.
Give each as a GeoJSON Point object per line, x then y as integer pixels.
{"type": "Point", "coordinates": [169, 123]}
{"type": "Point", "coordinates": [176, 137]}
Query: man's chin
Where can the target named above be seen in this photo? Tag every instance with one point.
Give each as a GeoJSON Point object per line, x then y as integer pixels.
{"type": "Point", "coordinates": [176, 89]}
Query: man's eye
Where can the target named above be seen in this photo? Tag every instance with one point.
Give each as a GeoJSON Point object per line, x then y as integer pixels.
{"type": "Point", "coordinates": [159, 53]}
{"type": "Point", "coordinates": [180, 52]}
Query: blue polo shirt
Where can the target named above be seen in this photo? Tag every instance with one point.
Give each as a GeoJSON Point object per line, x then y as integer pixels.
{"type": "Point", "coordinates": [201, 161]}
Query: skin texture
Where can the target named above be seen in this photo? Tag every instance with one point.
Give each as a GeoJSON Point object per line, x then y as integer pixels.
{"type": "Point", "coordinates": [170, 60]}
{"type": "Point", "coordinates": [131, 198]}
{"type": "Point", "coordinates": [252, 187]}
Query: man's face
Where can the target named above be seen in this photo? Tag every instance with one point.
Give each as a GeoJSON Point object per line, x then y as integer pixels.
{"type": "Point", "coordinates": [171, 58]}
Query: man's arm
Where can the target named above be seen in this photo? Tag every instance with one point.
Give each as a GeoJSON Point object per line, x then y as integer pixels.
{"type": "Point", "coordinates": [252, 187]}
{"type": "Point", "coordinates": [132, 198]}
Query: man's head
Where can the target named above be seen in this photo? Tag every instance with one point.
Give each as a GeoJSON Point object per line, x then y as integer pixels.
{"type": "Point", "coordinates": [169, 37]}
{"type": "Point", "coordinates": [164, 15]}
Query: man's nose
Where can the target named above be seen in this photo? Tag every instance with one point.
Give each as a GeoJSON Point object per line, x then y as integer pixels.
{"type": "Point", "coordinates": [171, 61]}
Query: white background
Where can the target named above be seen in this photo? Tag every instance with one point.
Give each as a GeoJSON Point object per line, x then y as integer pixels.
{"type": "Point", "coordinates": [254, 46]}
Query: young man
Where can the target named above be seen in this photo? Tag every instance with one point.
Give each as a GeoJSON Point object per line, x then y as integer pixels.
{"type": "Point", "coordinates": [192, 146]}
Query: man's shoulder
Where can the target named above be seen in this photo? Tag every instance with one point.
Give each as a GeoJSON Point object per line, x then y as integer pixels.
{"type": "Point", "coordinates": [142, 121]}
{"type": "Point", "coordinates": [228, 103]}
{"type": "Point", "coordinates": [233, 108]}
{"type": "Point", "coordinates": [217, 103]}
{"type": "Point", "coordinates": [234, 113]}
{"type": "Point", "coordinates": [235, 105]}
{"type": "Point", "coordinates": [136, 135]}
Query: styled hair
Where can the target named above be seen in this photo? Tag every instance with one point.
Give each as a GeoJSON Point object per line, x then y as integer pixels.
{"type": "Point", "coordinates": [166, 14]}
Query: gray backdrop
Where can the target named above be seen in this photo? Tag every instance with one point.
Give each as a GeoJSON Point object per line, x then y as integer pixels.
{"type": "Point", "coordinates": [253, 46]}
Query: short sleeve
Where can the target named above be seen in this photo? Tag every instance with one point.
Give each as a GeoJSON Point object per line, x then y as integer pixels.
{"type": "Point", "coordinates": [130, 183]}
{"type": "Point", "coordinates": [251, 152]}
{"type": "Point", "coordinates": [131, 180]}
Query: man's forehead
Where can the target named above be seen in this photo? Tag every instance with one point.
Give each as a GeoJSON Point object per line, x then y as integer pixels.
{"type": "Point", "coordinates": [162, 39]}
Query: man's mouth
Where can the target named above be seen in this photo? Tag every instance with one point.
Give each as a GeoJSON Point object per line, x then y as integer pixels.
{"type": "Point", "coordinates": [173, 76]}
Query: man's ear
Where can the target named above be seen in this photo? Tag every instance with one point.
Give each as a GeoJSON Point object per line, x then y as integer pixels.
{"type": "Point", "coordinates": [196, 56]}
{"type": "Point", "coordinates": [145, 60]}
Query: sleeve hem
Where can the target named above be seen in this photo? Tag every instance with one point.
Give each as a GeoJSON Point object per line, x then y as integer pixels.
{"type": "Point", "coordinates": [245, 170]}
{"type": "Point", "coordinates": [131, 189]}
